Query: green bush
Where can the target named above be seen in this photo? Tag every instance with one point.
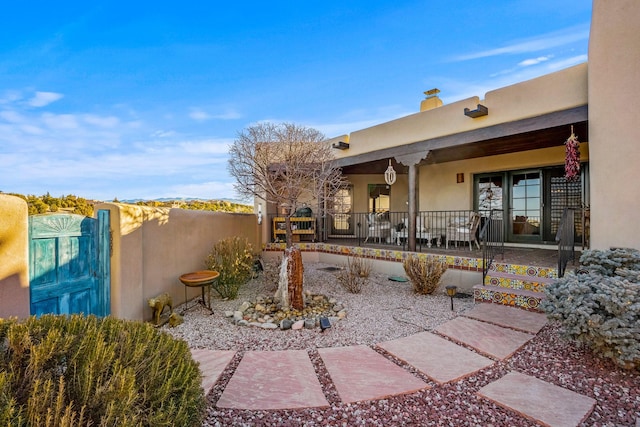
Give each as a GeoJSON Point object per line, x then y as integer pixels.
{"type": "Point", "coordinates": [599, 305]}
{"type": "Point", "coordinates": [77, 371]}
{"type": "Point", "coordinates": [424, 273]}
{"type": "Point", "coordinates": [233, 259]}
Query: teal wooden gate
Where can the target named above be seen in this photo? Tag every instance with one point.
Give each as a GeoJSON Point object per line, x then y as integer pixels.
{"type": "Point", "coordinates": [69, 264]}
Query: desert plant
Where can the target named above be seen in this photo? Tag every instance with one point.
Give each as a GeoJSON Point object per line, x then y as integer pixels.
{"type": "Point", "coordinates": [599, 305]}
{"type": "Point", "coordinates": [233, 259]}
{"type": "Point", "coordinates": [355, 274]}
{"type": "Point", "coordinates": [424, 273]}
{"type": "Point", "coordinates": [77, 370]}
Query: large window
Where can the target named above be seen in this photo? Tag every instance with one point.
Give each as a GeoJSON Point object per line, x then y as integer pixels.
{"type": "Point", "coordinates": [525, 204]}
{"type": "Point", "coordinates": [532, 201]}
{"type": "Point", "coordinates": [341, 208]}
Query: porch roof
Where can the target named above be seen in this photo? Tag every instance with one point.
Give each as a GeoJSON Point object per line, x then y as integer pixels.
{"type": "Point", "coordinates": [547, 130]}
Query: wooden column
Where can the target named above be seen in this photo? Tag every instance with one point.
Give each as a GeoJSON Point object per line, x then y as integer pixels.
{"type": "Point", "coordinates": [412, 161]}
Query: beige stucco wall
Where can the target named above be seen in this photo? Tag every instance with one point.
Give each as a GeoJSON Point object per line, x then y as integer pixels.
{"type": "Point", "coordinates": [152, 247]}
{"type": "Point", "coordinates": [553, 92]}
{"type": "Point", "coordinates": [14, 257]}
{"type": "Point", "coordinates": [438, 189]}
{"type": "Point", "coordinates": [614, 90]}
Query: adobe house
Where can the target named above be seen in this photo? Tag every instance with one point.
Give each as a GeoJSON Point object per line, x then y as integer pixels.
{"type": "Point", "coordinates": [506, 152]}
{"type": "Point", "coordinates": [415, 183]}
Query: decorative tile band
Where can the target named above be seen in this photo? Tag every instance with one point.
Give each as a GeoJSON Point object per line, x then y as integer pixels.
{"type": "Point", "coordinates": [526, 302]}
{"type": "Point", "coordinates": [454, 262]}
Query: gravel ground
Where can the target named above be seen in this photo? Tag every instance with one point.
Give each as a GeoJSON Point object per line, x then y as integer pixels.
{"type": "Point", "coordinates": [387, 310]}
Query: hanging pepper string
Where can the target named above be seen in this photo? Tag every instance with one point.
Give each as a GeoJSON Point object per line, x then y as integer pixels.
{"type": "Point", "coordinates": [572, 158]}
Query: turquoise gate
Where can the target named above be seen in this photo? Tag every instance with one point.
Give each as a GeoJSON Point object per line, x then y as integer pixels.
{"type": "Point", "coordinates": [69, 264]}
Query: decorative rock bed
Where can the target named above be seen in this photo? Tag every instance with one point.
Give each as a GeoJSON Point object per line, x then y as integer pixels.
{"type": "Point", "coordinates": [267, 313]}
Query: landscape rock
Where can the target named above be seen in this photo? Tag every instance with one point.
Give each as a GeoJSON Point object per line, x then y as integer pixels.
{"type": "Point", "coordinates": [298, 325]}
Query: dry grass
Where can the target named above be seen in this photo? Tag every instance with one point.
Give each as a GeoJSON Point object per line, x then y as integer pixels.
{"type": "Point", "coordinates": [425, 274]}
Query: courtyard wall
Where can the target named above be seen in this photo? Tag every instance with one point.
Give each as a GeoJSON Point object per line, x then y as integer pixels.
{"type": "Point", "coordinates": [14, 257]}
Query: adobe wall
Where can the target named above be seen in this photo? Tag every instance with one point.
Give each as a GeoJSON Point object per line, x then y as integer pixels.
{"type": "Point", "coordinates": [614, 90]}
{"type": "Point", "coordinates": [438, 189]}
{"type": "Point", "coordinates": [557, 91]}
{"type": "Point", "coordinates": [152, 247]}
{"type": "Point", "coordinates": [14, 257]}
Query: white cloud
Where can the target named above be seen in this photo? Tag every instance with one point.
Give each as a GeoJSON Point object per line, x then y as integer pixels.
{"type": "Point", "coordinates": [163, 133]}
{"type": "Point", "coordinates": [104, 122]}
{"type": "Point", "coordinates": [12, 116]}
{"type": "Point", "coordinates": [228, 115]}
{"type": "Point", "coordinates": [10, 96]}
{"type": "Point", "coordinates": [534, 44]}
{"type": "Point", "coordinates": [199, 115]}
{"type": "Point", "coordinates": [534, 61]}
{"type": "Point", "coordinates": [60, 121]}
{"type": "Point", "coordinates": [40, 99]}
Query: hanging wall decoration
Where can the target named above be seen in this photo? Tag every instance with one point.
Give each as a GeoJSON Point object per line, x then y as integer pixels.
{"type": "Point", "coordinates": [572, 158]}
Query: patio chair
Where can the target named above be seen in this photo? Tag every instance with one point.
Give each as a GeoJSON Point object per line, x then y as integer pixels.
{"type": "Point", "coordinates": [463, 230]}
{"type": "Point", "coordinates": [378, 227]}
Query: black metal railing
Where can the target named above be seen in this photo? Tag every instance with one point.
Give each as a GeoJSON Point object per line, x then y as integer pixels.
{"type": "Point", "coordinates": [492, 238]}
{"type": "Point", "coordinates": [565, 237]}
{"type": "Point", "coordinates": [433, 229]}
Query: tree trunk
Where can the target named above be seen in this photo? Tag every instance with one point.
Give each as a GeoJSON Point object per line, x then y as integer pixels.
{"type": "Point", "coordinates": [290, 285]}
{"type": "Point", "coordinates": [295, 277]}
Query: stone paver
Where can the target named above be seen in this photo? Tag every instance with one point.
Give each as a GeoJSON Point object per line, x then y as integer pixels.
{"type": "Point", "coordinates": [493, 340]}
{"type": "Point", "coordinates": [509, 317]}
{"type": "Point", "coordinates": [438, 358]}
{"type": "Point", "coordinates": [538, 400]}
{"type": "Point", "coordinates": [212, 363]}
{"type": "Point", "coordinates": [273, 380]}
{"type": "Point", "coordinates": [360, 373]}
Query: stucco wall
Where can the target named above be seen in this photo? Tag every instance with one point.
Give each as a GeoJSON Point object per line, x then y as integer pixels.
{"type": "Point", "coordinates": [152, 247]}
{"type": "Point", "coordinates": [553, 92]}
{"type": "Point", "coordinates": [14, 257]}
{"type": "Point", "coordinates": [614, 90]}
{"type": "Point", "coordinates": [438, 189]}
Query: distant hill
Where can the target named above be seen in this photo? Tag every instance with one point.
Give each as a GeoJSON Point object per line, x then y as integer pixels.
{"type": "Point", "coordinates": [74, 204]}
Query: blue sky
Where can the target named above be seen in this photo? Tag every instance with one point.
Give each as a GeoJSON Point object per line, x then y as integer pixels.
{"type": "Point", "coordinates": [107, 99]}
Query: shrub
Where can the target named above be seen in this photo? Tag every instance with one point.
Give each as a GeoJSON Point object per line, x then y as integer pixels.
{"type": "Point", "coordinates": [424, 273]}
{"type": "Point", "coordinates": [599, 305]}
{"type": "Point", "coordinates": [233, 259]}
{"type": "Point", "coordinates": [77, 370]}
{"type": "Point", "coordinates": [355, 275]}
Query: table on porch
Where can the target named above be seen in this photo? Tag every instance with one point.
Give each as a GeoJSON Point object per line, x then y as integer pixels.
{"type": "Point", "coordinates": [428, 236]}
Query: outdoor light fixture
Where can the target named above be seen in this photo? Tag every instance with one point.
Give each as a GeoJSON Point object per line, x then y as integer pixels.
{"type": "Point", "coordinates": [325, 323]}
{"type": "Point", "coordinates": [259, 213]}
{"type": "Point", "coordinates": [390, 174]}
{"type": "Point", "coordinates": [451, 291]}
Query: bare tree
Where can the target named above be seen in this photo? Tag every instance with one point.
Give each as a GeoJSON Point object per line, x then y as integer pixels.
{"type": "Point", "coordinates": [286, 165]}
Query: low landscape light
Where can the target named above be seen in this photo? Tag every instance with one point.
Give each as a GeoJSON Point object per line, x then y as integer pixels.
{"type": "Point", "coordinates": [325, 323]}
{"type": "Point", "coordinates": [451, 291]}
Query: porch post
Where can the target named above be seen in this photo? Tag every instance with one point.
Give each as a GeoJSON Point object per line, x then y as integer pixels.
{"type": "Point", "coordinates": [412, 161]}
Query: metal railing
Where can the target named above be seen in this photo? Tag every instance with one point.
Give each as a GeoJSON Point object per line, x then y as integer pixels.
{"type": "Point", "coordinates": [565, 237]}
{"type": "Point", "coordinates": [432, 230]}
{"type": "Point", "coordinates": [492, 238]}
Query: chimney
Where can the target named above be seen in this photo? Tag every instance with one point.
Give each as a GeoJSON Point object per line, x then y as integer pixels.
{"type": "Point", "coordinates": [432, 101]}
